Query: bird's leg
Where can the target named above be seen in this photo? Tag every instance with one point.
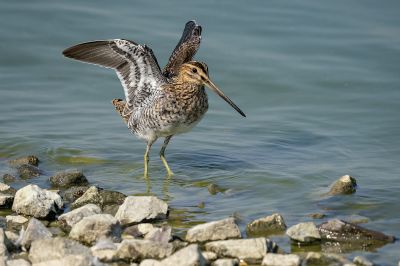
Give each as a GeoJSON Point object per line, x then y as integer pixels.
{"type": "Point", "coordinates": [146, 158]}
{"type": "Point", "coordinates": [162, 151]}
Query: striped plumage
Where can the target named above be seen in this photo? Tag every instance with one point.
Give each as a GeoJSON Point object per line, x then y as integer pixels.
{"type": "Point", "coordinates": [157, 103]}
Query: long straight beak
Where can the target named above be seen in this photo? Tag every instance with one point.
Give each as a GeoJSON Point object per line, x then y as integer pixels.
{"type": "Point", "coordinates": [214, 88]}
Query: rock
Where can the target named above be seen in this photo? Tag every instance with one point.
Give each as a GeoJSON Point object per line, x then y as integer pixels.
{"type": "Point", "coordinates": [150, 262]}
{"type": "Point", "coordinates": [27, 171]}
{"type": "Point", "coordinates": [281, 260]}
{"type": "Point", "coordinates": [92, 195]}
{"type": "Point", "coordinates": [162, 235]}
{"type": "Point", "coordinates": [68, 178]}
{"type": "Point", "coordinates": [6, 189]}
{"type": "Point", "coordinates": [252, 249]}
{"type": "Point", "coordinates": [34, 231]}
{"type": "Point", "coordinates": [266, 225]}
{"type": "Point", "coordinates": [361, 261]}
{"type": "Point", "coordinates": [73, 193]}
{"type": "Point", "coordinates": [226, 262]}
{"type": "Point", "coordinates": [188, 256]}
{"type": "Point", "coordinates": [39, 203]}
{"type": "Point", "coordinates": [3, 222]}
{"type": "Point", "coordinates": [18, 262]}
{"type": "Point", "coordinates": [209, 256]}
{"type": "Point", "coordinates": [16, 222]}
{"type": "Point", "coordinates": [56, 248]}
{"type": "Point", "coordinates": [138, 230]}
{"type": "Point", "coordinates": [213, 189]}
{"type": "Point", "coordinates": [69, 219]}
{"type": "Point", "coordinates": [317, 215]}
{"type": "Point", "coordinates": [304, 232]}
{"type": "Point", "coordinates": [344, 185]}
{"type": "Point", "coordinates": [217, 230]}
{"type": "Point", "coordinates": [13, 237]}
{"type": "Point", "coordinates": [30, 159]}
{"type": "Point", "coordinates": [104, 250]}
{"type": "Point", "coordinates": [6, 201]}
{"type": "Point", "coordinates": [8, 178]}
{"type": "Point", "coordinates": [138, 209]}
{"type": "Point", "coordinates": [137, 250]}
{"type": "Point", "coordinates": [69, 260]}
{"type": "Point", "coordinates": [4, 243]}
{"type": "Point", "coordinates": [316, 258]}
{"type": "Point", "coordinates": [112, 197]}
{"type": "Point", "coordinates": [341, 231]}
{"type": "Point", "coordinates": [94, 227]}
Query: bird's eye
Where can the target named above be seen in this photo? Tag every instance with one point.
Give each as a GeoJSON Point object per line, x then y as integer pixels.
{"type": "Point", "coordinates": [194, 70]}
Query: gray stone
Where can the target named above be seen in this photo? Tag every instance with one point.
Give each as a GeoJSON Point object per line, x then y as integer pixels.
{"type": "Point", "coordinates": [73, 193]}
{"type": "Point", "coordinates": [266, 225]}
{"type": "Point", "coordinates": [341, 231]}
{"type": "Point", "coordinates": [8, 178]}
{"type": "Point", "coordinates": [26, 171]}
{"type": "Point", "coordinates": [112, 197]}
{"type": "Point", "coordinates": [344, 185]}
{"type": "Point", "coordinates": [188, 256]}
{"type": "Point", "coordinates": [226, 262]}
{"type": "Point", "coordinates": [68, 178]}
{"type": "Point", "coordinates": [361, 261]}
{"type": "Point", "coordinates": [272, 259]}
{"type": "Point", "coordinates": [30, 159]}
{"type": "Point", "coordinates": [316, 258]}
{"type": "Point", "coordinates": [162, 235]}
{"type": "Point", "coordinates": [209, 256]}
{"type": "Point", "coordinates": [252, 249]}
{"type": "Point", "coordinates": [56, 248]}
{"type": "Point", "coordinates": [137, 250]}
{"type": "Point", "coordinates": [34, 231]}
{"type": "Point", "coordinates": [137, 209]}
{"type": "Point", "coordinates": [69, 219]}
{"type": "Point", "coordinates": [95, 227]}
{"type": "Point", "coordinates": [16, 222]}
{"type": "Point", "coordinates": [18, 262]}
{"type": "Point", "coordinates": [216, 230]}
{"type": "Point", "coordinates": [34, 201]}
{"type": "Point", "coordinates": [92, 195]}
{"type": "Point", "coordinates": [304, 232]}
{"type": "Point", "coordinates": [69, 260]}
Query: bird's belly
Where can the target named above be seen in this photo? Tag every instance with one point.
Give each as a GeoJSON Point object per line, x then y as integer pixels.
{"type": "Point", "coordinates": [174, 129]}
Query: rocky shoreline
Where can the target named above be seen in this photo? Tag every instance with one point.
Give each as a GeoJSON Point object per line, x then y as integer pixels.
{"type": "Point", "coordinates": [79, 224]}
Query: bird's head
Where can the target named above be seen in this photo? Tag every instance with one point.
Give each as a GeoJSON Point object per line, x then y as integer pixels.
{"type": "Point", "coordinates": [196, 73]}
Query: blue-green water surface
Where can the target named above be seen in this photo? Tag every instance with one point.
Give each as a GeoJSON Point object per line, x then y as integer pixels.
{"type": "Point", "coordinates": [318, 80]}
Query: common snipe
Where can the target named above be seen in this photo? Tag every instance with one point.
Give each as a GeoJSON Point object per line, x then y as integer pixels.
{"type": "Point", "coordinates": [157, 103]}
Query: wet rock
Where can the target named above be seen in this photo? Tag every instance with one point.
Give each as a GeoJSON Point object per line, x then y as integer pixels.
{"type": "Point", "coordinates": [272, 259]}
{"type": "Point", "coordinates": [104, 250]}
{"type": "Point", "coordinates": [138, 230]}
{"type": "Point", "coordinates": [138, 209]}
{"type": "Point", "coordinates": [209, 256]}
{"type": "Point", "coordinates": [226, 262]}
{"type": "Point", "coordinates": [73, 193]}
{"type": "Point", "coordinates": [137, 250]}
{"type": "Point", "coordinates": [43, 250]}
{"type": "Point", "coordinates": [217, 230]}
{"type": "Point", "coordinates": [30, 159]}
{"type": "Point", "coordinates": [34, 201]}
{"type": "Point", "coordinates": [317, 215]}
{"type": "Point", "coordinates": [304, 232]}
{"type": "Point", "coordinates": [342, 231]}
{"type": "Point", "coordinates": [68, 178]}
{"type": "Point", "coordinates": [34, 231]}
{"type": "Point", "coordinates": [8, 178]}
{"type": "Point", "coordinates": [162, 235]}
{"type": "Point", "coordinates": [344, 185]}
{"type": "Point", "coordinates": [316, 258]}
{"type": "Point", "coordinates": [70, 260]}
{"type": "Point", "coordinates": [213, 189]}
{"type": "Point", "coordinates": [361, 261]}
{"type": "Point", "coordinates": [69, 219]}
{"type": "Point", "coordinates": [251, 250]}
{"type": "Point", "coordinates": [188, 256]}
{"type": "Point", "coordinates": [16, 222]}
{"type": "Point", "coordinates": [18, 262]}
{"type": "Point", "coordinates": [92, 195]}
{"type": "Point", "coordinates": [95, 227]}
{"type": "Point", "coordinates": [26, 171]}
{"type": "Point", "coordinates": [266, 225]}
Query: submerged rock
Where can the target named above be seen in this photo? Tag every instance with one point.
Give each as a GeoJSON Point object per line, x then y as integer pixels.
{"type": "Point", "coordinates": [73, 193]}
{"type": "Point", "coordinates": [304, 232]}
{"type": "Point", "coordinates": [8, 178]}
{"type": "Point", "coordinates": [266, 225]}
{"type": "Point", "coordinates": [44, 250]}
{"type": "Point", "coordinates": [98, 226]}
{"type": "Point", "coordinates": [30, 159]}
{"type": "Point", "coordinates": [272, 259]}
{"type": "Point", "coordinates": [216, 230]}
{"type": "Point", "coordinates": [341, 231]}
{"type": "Point", "coordinates": [137, 250]}
{"type": "Point", "coordinates": [344, 185]}
{"type": "Point", "coordinates": [141, 208]}
{"type": "Point", "coordinates": [34, 231]}
{"type": "Point", "coordinates": [27, 171]}
{"type": "Point", "coordinates": [69, 219]}
{"type": "Point", "coordinates": [34, 201]}
{"type": "Point", "coordinates": [68, 178]}
{"type": "Point", "coordinates": [317, 215]}
{"type": "Point", "coordinates": [213, 189]}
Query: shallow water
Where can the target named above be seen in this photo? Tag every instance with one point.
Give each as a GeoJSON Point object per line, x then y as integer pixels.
{"type": "Point", "coordinates": [319, 82]}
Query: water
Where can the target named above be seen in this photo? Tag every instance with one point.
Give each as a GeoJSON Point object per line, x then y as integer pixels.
{"type": "Point", "coordinates": [319, 82]}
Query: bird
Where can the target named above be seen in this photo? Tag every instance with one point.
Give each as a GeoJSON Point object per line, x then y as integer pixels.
{"type": "Point", "coordinates": [158, 103]}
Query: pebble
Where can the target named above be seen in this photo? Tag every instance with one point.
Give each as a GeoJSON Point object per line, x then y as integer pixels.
{"type": "Point", "coordinates": [68, 178]}
{"type": "Point", "coordinates": [304, 232]}
{"type": "Point", "coordinates": [266, 225]}
{"type": "Point", "coordinates": [344, 185]}
{"type": "Point", "coordinates": [272, 259]}
{"type": "Point", "coordinates": [69, 219]}
{"type": "Point", "coordinates": [216, 230]}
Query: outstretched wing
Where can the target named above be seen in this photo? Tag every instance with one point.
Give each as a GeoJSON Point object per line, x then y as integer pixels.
{"type": "Point", "coordinates": [135, 64]}
{"type": "Point", "coordinates": [185, 49]}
